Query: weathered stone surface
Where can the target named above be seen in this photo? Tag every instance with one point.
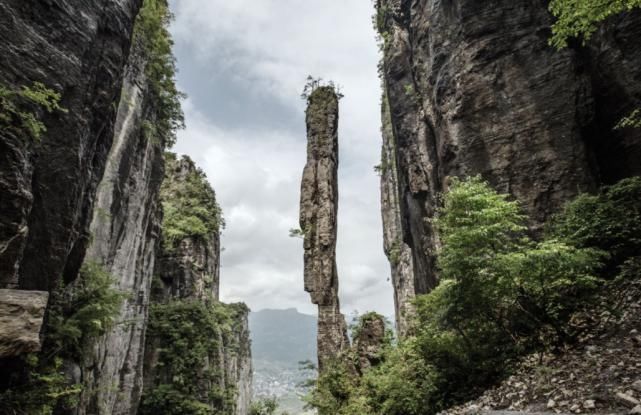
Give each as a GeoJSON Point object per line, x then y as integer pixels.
{"type": "Point", "coordinates": [192, 268]}
{"type": "Point", "coordinates": [125, 229]}
{"type": "Point", "coordinates": [397, 250]}
{"type": "Point", "coordinates": [369, 341]}
{"type": "Point", "coordinates": [474, 88]}
{"type": "Point", "coordinates": [78, 48]}
{"type": "Point", "coordinates": [21, 316]}
{"type": "Point", "coordinates": [318, 210]}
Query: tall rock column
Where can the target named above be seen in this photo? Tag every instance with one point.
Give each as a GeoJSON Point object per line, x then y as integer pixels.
{"type": "Point", "coordinates": [318, 211]}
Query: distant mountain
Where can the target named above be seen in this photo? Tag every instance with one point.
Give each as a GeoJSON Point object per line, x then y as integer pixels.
{"type": "Point", "coordinates": [284, 336]}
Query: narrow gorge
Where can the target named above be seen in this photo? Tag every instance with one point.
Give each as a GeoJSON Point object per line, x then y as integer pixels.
{"type": "Point", "coordinates": [490, 264]}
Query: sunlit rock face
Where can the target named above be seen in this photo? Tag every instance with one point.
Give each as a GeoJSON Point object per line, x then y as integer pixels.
{"type": "Point", "coordinates": [318, 210]}
{"type": "Point", "coordinates": [474, 88]}
{"type": "Point", "coordinates": [125, 235]}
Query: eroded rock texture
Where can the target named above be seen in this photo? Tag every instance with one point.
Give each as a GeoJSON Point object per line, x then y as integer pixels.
{"type": "Point", "coordinates": [125, 233]}
{"type": "Point", "coordinates": [187, 281]}
{"type": "Point", "coordinates": [318, 210]}
{"type": "Point", "coordinates": [369, 341]}
{"type": "Point", "coordinates": [21, 316]}
{"type": "Point", "coordinates": [77, 48]}
{"type": "Point", "coordinates": [474, 88]}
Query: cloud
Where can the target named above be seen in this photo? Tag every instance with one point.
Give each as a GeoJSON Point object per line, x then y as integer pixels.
{"type": "Point", "coordinates": [243, 64]}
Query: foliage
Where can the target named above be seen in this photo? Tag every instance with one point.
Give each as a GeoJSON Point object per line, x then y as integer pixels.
{"type": "Point", "coordinates": [631, 121]}
{"type": "Point", "coordinates": [267, 406]}
{"type": "Point", "coordinates": [189, 205]}
{"type": "Point", "coordinates": [77, 316]}
{"type": "Point", "coordinates": [45, 388]}
{"type": "Point", "coordinates": [579, 18]}
{"type": "Point", "coordinates": [86, 311]}
{"type": "Point", "coordinates": [501, 295]}
{"type": "Point", "coordinates": [151, 30]}
{"type": "Point", "coordinates": [609, 220]}
{"type": "Point", "coordinates": [187, 334]}
{"type": "Point", "coordinates": [296, 233]}
{"type": "Point", "coordinates": [20, 110]}
{"type": "Point", "coordinates": [314, 84]}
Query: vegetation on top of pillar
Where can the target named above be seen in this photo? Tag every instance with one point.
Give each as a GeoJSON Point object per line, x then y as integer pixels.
{"type": "Point", "coordinates": [21, 110]}
{"type": "Point", "coordinates": [317, 89]}
{"type": "Point", "coordinates": [151, 29]}
{"type": "Point", "coordinates": [189, 205]}
{"type": "Point", "coordinates": [502, 295]}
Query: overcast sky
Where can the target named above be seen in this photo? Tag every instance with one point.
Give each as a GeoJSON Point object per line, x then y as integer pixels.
{"type": "Point", "coordinates": [243, 64]}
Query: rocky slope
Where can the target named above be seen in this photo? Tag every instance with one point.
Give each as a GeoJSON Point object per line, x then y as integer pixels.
{"type": "Point", "coordinates": [474, 88]}
{"type": "Point", "coordinates": [318, 211]}
{"type": "Point", "coordinates": [218, 370]}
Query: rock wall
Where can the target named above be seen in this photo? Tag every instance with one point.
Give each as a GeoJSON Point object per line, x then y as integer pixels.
{"type": "Point", "coordinates": [318, 211]}
{"type": "Point", "coordinates": [187, 274]}
{"type": "Point", "coordinates": [79, 49]}
{"type": "Point", "coordinates": [474, 88]}
{"type": "Point", "coordinates": [125, 233]}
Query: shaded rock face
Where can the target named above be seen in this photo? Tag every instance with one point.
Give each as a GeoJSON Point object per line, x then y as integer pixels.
{"type": "Point", "coordinates": [77, 48]}
{"type": "Point", "coordinates": [474, 88]}
{"type": "Point", "coordinates": [21, 316]}
{"type": "Point", "coordinates": [318, 211]}
{"type": "Point", "coordinates": [187, 270]}
{"type": "Point", "coordinates": [125, 234]}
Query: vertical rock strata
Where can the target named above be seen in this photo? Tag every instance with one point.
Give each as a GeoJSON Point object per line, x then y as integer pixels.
{"type": "Point", "coordinates": [216, 370]}
{"type": "Point", "coordinates": [474, 88]}
{"type": "Point", "coordinates": [125, 234]}
{"type": "Point", "coordinates": [318, 212]}
{"type": "Point", "coordinates": [79, 49]}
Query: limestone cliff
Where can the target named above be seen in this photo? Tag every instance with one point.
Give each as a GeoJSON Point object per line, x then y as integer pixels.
{"type": "Point", "coordinates": [79, 49]}
{"type": "Point", "coordinates": [474, 88]}
{"type": "Point", "coordinates": [318, 211]}
{"type": "Point", "coordinates": [198, 349]}
{"type": "Point", "coordinates": [125, 229]}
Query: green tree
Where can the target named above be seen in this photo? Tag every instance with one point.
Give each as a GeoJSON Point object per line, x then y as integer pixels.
{"type": "Point", "coordinates": [580, 18]}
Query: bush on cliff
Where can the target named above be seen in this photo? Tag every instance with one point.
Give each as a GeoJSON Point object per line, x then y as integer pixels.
{"type": "Point", "coordinates": [501, 295]}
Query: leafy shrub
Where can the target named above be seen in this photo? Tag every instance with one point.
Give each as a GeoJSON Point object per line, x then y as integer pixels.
{"type": "Point", "coordinates": [20, 110]}
{"type": "Point", "coordinates": [84, 311]}
{"type": "Point", "coordinates": [267, 406]}
{"type": "Point", "coordinates": [45, 388]}
{"type": "Point", "coordinates": [187, 334]}
{"type": "Point", "coordinates": [77, 316]}
{"type": "Point", "coordinates": [501, 295]}
{"type": "Point", "coordinates": [609, 220]}
{"type": "Point", "coordinates": [151, 29]}
{"type": "Point", "coordinates": [580, 18]}
{"type": "Point", "coordinates": [189, 205]}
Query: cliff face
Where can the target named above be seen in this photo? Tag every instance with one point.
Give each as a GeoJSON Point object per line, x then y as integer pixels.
{"type": "Point", "coordinates": [318, 210]}
{"type": "Point", "coordinates": [125, 229]}
{"type": "Point", "coordinates": [197, 348]}
{"type": "Point", "coordinates": [79, 49]}
{"type": "Point", "coordinates": [474, 88]}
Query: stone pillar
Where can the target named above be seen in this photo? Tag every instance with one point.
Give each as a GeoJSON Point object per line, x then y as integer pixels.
{"type": "Point", "coordinates": [318, 211]}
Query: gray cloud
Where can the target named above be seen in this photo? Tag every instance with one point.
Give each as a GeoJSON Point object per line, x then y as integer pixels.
{"type": "Point", "coordinates": [243, 65]}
